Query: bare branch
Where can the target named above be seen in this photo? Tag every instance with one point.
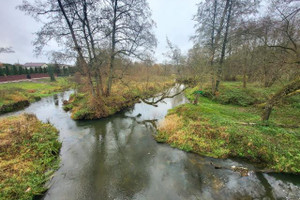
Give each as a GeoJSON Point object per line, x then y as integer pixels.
{"type": "Point", "coordinates": [6, 50]}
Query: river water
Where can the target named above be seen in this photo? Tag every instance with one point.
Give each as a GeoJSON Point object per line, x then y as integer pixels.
{"type": "Point", "coordinates": [117, 158]}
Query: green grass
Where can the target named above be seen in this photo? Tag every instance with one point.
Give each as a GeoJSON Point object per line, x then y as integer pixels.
{"type": "Point", "coordinates": [217, 130]}
{"type": "Point", "coordinates": [13, 95]}
{"type": "Point", "coordinates": [36, 85]}
{"type": "Point", "coordinates": [29, 156]}
{"type": "Point", "coordinates": [234, 93]}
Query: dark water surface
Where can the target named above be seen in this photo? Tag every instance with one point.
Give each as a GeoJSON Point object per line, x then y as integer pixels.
{"type": "Point", "coordinates": [117, 158]}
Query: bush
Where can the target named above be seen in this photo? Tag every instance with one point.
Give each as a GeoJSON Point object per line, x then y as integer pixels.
{"type": "Point", "coordinates": [236, 97]}
{"type": "Point", "coordinates": [231, 93]}
{"type": "Point", "coordinates": [1, 71]}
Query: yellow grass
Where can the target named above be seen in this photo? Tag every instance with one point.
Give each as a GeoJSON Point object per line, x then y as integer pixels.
{"type": "Point", "coordinates": [28, 148]}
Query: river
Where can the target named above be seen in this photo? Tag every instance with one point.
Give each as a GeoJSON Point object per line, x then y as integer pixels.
{"type": "Point", "coordinates": [118, 158]}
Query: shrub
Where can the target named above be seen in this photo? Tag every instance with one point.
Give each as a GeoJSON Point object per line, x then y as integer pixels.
{"type": "Point", "coordinates": [236, 97]}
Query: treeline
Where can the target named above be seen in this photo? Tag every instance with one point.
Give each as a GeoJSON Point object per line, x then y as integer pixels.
{"type": "Point", "coordinates": [9, 69]}
{"type": "Point", "coordinates": [231, 42]}
{"type": "Point", "coordinates": [235, 40]}
{"type": "Point", "coordinates": [61, 71]}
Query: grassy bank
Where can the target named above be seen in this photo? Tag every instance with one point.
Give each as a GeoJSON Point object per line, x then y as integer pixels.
{"type": "Point", "coordinates": [123, 96]}
{"type": "Point", "coordinates": [29, 152]}
{"type": "Point", "coordinates": [216, 128]}
{"type": "Point", "coordinates": [255, 94]}
{"type": "Point", "coordinates": [15, 96]}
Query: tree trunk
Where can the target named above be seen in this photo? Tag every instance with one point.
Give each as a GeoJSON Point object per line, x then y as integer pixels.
{"type": "Point", "coordinates": [213, 47]}
{"type": "Point", "coordinates": [99, 85]}
{"type": "Point", "coordinates": [196, 99]}
{"type": "Point", "coordinates": [220, 66]}
{"type": "Point", "coordinates": [244, 79]}
{"type": "Point", "coordinates": [245, 71]}
{"type": "Point", "coordinates": [110, 76]}
{"type": "Point", "coordinates": [77, 47]}
{"type": "Point", "coordinates": [215, 40]}
{"type": "Point", "coordinates": [213, 82]}
{"type": "Point", "coordinates": [265, 77]}
{"type": "Point", "coordinates": [287, 90]}
{"type": "Point", "coordinates": [112, 55]}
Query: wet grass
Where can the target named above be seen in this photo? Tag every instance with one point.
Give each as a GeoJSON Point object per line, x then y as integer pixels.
{"type": "Point", "coordinates": [234, 93]}
{"type": "Point", "coordinates": [217, 130]}
{"type": "Point", "coordinates": [83, 106]}
{"type": "Point", "coordinates": [29, 151]}
{"type": "Point", "coordinates": [14, 96]}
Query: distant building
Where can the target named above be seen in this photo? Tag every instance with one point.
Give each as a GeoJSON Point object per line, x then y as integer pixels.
{"type": "Point", "coordinates": [35, 65]}
{"type": "Point", "coordinates": [61, 66]}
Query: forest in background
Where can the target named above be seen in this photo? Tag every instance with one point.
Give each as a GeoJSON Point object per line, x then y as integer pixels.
{"type": "Point", "coordinates": [249, 41]}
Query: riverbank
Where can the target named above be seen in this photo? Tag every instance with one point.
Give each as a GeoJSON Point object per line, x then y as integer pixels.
{"type": "Point", "coordinates": [218, 129]}
{"type": "Point", "coordinates": [16, 96]}
{"type": "Point", "coordinates": [94, 150]}
{"type": "Point", "coordinates": [85, 107]}
{"type": "Point", "coordinates": [29, 156]}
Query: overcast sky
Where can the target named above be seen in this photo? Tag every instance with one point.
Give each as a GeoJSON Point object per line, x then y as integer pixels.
{"type": "Point", "coordinates": [173, 19]}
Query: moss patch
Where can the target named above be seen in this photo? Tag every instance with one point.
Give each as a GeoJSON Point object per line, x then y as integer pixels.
{"type": "Point", "coordinates": [29, 156]}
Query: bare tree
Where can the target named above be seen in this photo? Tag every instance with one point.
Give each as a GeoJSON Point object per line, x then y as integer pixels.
{"type": "Point", "coordinates": [67, 22]}
{"type": "Point", "coordinates": [99, 31]}
{"type": "Point", "coordinates": [268, 48]}
{"type": "Point", "coordinates": [286, 34]}
{"type": "Point", "coordinates": [215, 20]}
{"type": "Point", "coordinates": [128, 27]}
{"type": "Point", "coordinates": [285, 18]}
{"type": "Point", "coordinates": [197, 63]}
{"type": "Point", "coordinates": [225, 40]}
{"type": "Point", "coordinates": [176, 57]}
{"type": "Point", "coordinates": [210, 23]}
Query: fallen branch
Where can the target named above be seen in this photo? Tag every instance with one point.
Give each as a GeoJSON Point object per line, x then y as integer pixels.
{"type": "Point", "coordinates": [162, 97]}
{"type": "Point", "coordinates": [277, 125]}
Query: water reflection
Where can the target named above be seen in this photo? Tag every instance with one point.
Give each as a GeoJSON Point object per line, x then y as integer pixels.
{"type": "Point", "coordinates": [56, 101]}
{"type": "Point", "coordinates": [117, 158]}
{"type": "Point", "coordinates": [150, 112]}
